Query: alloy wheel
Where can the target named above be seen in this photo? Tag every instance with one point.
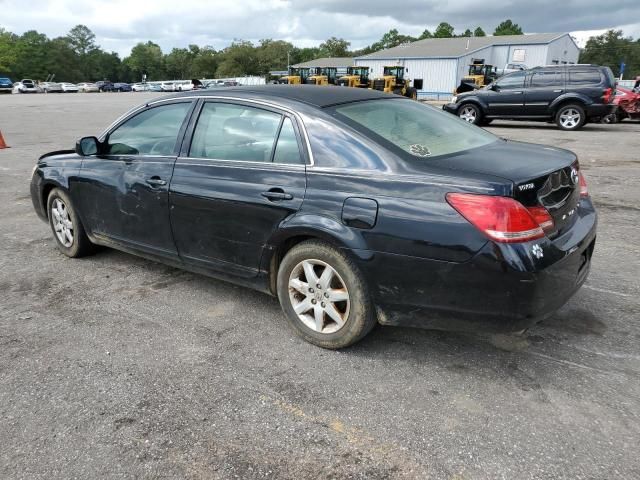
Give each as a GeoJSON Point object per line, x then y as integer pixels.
{"type": "Point", "coordinates": [319, 296]}
{"type": "Point", "coordinates": [570, 118]}
{"type": "Point", "coordinates": [62, 224]}
{"type": "Point", "coordinates": [468, 114]}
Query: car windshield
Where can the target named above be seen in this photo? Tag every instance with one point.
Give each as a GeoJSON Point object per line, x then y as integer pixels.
{"type": "Point", "coordinates": [417, 129]}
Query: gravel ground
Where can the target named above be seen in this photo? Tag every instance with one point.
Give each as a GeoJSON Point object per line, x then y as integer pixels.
{"type": "Point", "coordinates": [117, 367]}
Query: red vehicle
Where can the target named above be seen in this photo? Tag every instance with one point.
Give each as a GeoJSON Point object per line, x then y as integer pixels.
{"type": "Point", "coordinates": [628, 103]}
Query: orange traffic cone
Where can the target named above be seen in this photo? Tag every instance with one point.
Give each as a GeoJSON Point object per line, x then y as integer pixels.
{"type": "Point", "coordinates": [3, 144]}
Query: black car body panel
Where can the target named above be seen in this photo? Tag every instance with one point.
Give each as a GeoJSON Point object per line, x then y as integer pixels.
{"type": "Point", "coordinates": [543, 91]}
{"type": "Point", "coordinates": [425, 264]}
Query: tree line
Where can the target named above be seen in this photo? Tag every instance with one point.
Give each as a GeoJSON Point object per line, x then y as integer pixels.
{"type": "Point", "coordinates": [76, 56]}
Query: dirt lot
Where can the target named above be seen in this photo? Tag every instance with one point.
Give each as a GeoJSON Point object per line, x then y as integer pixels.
{"type": "Point", "coordinates": [113, 366]}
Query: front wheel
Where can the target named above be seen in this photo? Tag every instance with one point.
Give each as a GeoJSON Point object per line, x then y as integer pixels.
{"type": "Point", "coordinates": [65, 224]}
{"type": "Point", "coordinates": [324, 296]}
{"type": "Point", "coordinates": [571, 117]}
{"type": "Point", "coordinates": [470, 113]}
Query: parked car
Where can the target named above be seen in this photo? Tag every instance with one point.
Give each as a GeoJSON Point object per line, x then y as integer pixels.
{"type": "Point", "coordinates": [570, 95]}
{"type": "Point", "coordinates": [350, 205]}
{"type": "Point", "coordinates": [50, 87]}
{"type": "Point", "coordinates": [140, 87]}
{"type": "Point", "coordinates": [88, 87]}
{"type": "Point", "coordinates": [121, 87]}
{"type": "Point", "coordinates": [510, 68]}
{"type": "Point", "coordinates": [69, 87]}
{"type": "Point", "coordinates": [183, 85]}
{"type": "Point", "coordinates": [628, 103]}
{"type": "Point", "coordinates": [168, 86]}
{"type": "Point", "coordinates": [25, 86]}
{"type": "Point", "coordinates": [105, 86]}
{"type": "Point", "coordinates": [6, 86]}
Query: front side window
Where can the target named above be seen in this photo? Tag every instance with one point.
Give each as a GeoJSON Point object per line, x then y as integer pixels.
{"type": "Point", "coordinates": [416, 129]}
{"type": "Point", "coordinates": [512, 81]}
{"type": "Point", "coordinates": [235, 132]}
{"type": "Point", "coordinates": [151, 132]}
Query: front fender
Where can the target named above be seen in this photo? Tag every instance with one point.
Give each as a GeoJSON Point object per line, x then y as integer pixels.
{"type": "Point", "coordinates": [475, 100]}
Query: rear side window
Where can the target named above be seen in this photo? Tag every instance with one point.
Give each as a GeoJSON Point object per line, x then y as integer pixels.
{"type": "Point", "coordinates": [584, 77]}
{"type": "Point", "coordinates": [545, 78]}
{"type": "Point", "coordinates": [235, 132]}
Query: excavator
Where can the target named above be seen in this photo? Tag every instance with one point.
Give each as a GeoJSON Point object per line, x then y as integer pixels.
{"type": "Point", "coordinates": [356, 77]}
{"type": "Point", "coordinates": [296, 76]}
{"type": "Point", "coordinates": [480, 74]}
{"type": "Point", "coordinates": [393, 81]}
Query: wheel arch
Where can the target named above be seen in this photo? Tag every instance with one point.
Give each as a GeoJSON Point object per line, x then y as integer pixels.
{"type": "Point", "coordinates": [566, 100]}
{"type": "Point", "coordinates": [310, 227]}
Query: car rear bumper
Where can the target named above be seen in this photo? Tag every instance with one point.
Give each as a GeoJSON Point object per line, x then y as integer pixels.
{"type": "Point", "coordinates": [503, 288]}
{"type": "Point", "coordinates": [600, 109]}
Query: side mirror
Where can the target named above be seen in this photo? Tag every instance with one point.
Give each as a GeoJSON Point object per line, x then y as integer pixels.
{"type": "Point", "coordinates": [495, 87]}
{"type": "Point", "coordinates": [87, 146]}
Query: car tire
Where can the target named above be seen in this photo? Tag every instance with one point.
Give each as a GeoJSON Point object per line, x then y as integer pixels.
{"type": "Point", "coordinates": [412, 93]}
{"type": "Point", "coordinates": [470, 113]}
{"type": "Point", "coordinates": [330, 314]}
{"type": "Point", "coordinates": [68, 231]}
{"type": "Point", "coordinates": [571, 117]}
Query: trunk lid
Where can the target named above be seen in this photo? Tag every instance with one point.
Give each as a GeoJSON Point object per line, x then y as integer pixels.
{"type": "Point", "coordinates": [540, 176]}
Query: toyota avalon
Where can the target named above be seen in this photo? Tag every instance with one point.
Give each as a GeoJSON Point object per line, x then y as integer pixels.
{"type": "Point", "coordinates": [352, 206]}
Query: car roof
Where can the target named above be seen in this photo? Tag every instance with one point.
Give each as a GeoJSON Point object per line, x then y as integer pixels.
{"type": "Point", "coordinates": [317, 96]}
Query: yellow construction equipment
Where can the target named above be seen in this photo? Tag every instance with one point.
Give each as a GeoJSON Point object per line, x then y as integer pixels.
{"type": "Point", "coordinates": [393, 81]}
{"type": "Point", "coordinates": [480, 74]}
{"type": "Point", "coordinates": [356, 77]}
{"type": "Point", "coordinates": [317, 76]}
{"type": "Point", "coordinates": [296, 76]}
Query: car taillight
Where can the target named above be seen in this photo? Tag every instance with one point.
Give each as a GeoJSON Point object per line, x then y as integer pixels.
{"type": "Point", "coordinates": [607, 95]}
{"type": "Point", "coordinates": [502, 219]}
{"type": "Point", "coordinates": [584, 191]}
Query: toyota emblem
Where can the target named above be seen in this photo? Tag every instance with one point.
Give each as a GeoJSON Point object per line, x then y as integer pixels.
{"type": "Point", "coordinates": [574, 176]}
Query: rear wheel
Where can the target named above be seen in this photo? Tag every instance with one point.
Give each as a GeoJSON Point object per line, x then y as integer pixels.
{"type": "Point", "coordinates": [412, 93]}
{"type": "Point", "coordinates": [324, 296]}
{"type": "Point", "coordinates": [66, 226]}
{"type": "Point", "coordinates": [470, 113]}
{"type": "Point", "coordinates": [571, 117]}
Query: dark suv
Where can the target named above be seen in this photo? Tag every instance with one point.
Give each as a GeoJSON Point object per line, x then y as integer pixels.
{"type": "Point", "coordinates": [570, 95]}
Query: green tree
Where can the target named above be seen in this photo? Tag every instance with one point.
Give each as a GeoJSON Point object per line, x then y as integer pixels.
{"type": "Point", "coordinates": [508, 28]}
{"type": "Point", "coordinates": [467, 33]}
{"type": "Point", "coordinates": [31, 50]}
{"type": "Point", "coordinates": [444, 30]}
{"type": "Point", "coordinates": [179, 63]}
{"type": "Point", "coordinates": [206, 63]}
{"type": "Point", "coordinates": [479, 32]}
{"type": "Point", "coordinates": [81, 40]}
{"type": "Point", "coordinates": [146, 58]}
{"type": "Point", "coordinates": [612, 48]}
{"type": "Point", "coordinates": [238, 59]}
{"type": "Point", "coordinates": [391, 39]}
{"type": "Point", "coordinates": [335, 47]}
{"type": "Point", "coordinates": [7, 51]}
{"type": "Point", "coordinates": [425, 34]}
{"type": "Point", "coordinates": [272, 55]}
{"type": "Point", "coordinates": [62, 61]}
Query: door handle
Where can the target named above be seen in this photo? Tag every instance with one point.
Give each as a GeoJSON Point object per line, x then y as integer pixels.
{"type": "Point", "coordinates": [276, 194]}
{"type": "Point", "coordinates": [516, 92]}
{"type": "Point", "coordinates": [156, 182]}
{"type": "Point", "coordinates": [557, 91]}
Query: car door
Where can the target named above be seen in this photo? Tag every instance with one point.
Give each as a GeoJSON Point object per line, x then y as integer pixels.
{"type": "Point", "coordinates": [124, 189]}
{"type": "Point", "coordinates": [544, 86]}
{"type": "Point", "coordinates": [242, 174]}
{"type": "Point", "coordinates": [505, 96]}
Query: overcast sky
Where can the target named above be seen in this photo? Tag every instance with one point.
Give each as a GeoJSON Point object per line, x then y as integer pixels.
{"type": "Point", "coordinates": [120, 24]}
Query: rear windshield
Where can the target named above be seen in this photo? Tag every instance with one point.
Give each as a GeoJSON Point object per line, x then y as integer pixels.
{"type": "Point", "coordinates": [417, 129]}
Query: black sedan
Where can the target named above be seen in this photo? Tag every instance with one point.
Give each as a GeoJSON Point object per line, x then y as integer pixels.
{"type": "Point", "coordinates": [353, 206]}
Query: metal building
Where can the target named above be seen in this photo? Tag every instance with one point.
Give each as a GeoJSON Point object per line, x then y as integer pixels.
{"type": "Point", "coordinates": [436, 65]}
